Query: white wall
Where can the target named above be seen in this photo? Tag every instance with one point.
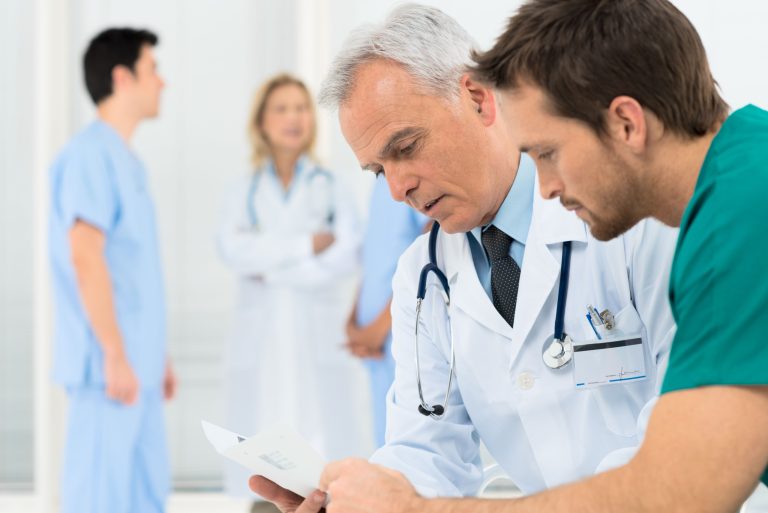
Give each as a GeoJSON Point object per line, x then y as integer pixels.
{"type": "Point", "coordinates": [735, 38]}
{"type": "Point", "coordinates": [16, 246]}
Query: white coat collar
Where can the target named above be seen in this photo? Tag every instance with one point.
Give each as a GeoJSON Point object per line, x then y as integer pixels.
{"type": "Point", "coordinates": [551, 224]}
{"type": "Point", "coordinates": [467, 293]}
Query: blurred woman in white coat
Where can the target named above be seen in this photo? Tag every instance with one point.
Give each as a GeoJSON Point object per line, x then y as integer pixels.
{"type": "Point", "coordinates": [290, 235]}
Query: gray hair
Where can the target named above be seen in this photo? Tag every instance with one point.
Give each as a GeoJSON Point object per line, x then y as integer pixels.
{"type": "Point", "coordinates": [432, 47]}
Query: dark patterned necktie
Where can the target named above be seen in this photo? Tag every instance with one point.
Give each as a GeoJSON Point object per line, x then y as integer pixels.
{"type": "Point", "coordinates": [505, 273]}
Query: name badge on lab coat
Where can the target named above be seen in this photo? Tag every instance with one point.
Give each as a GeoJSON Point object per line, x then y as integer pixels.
{"type": "Point", "coordinates": [609, 361]}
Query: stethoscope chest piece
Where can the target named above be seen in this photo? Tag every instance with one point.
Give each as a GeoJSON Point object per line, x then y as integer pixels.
{"type": "Point", "coordinates": [557, 353]}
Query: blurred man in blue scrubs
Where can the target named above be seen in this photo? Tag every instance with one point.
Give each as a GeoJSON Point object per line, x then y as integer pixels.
{"type": "Point", "coordinates": [392, 227]}
{"type": "Point", "coordinates": [109, 347]}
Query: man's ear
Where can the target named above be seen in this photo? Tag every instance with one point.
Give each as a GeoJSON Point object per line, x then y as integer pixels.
{"type": "Point", "coordinates": [121, 76]}
{"type": "Point", "coordinates": [482, 98]}
{"type": "Point", "coordinates": [626, 124]}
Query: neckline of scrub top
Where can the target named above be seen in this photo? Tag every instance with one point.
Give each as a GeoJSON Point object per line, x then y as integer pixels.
{"type": "Point", "coordinates": [111, 132]}
{"type": "Point", "coordinates": [721, 139]}
{"type": "Point", "coordinates": [708, 169]}
{"type": "Point", "coordinates": [117, 139]}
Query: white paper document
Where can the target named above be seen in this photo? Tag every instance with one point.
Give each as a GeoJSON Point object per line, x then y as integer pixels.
{"type": "Point", "coordinates": [279, 454]}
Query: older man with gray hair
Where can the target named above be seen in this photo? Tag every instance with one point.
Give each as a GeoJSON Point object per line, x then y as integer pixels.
{"type": "Point", "coordinates": [511, 359]}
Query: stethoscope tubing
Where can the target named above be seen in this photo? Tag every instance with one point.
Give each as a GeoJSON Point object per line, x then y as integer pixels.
{"type": "Point", "coordinates": [253, 187]}
{"type": "Point", "coordinates": [437, 411]}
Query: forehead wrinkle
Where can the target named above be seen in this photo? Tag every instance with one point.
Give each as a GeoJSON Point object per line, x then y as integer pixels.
{"type": "Point", "coordinates": [396, 137]}
{"type": "Point", "coordinates": [379, 108]}
{"type": "Point", "coordinates": [371, 131]}
{"type": "Point", "coordinates": [380, 153]}
{"type": "Point", "coordinates": [383, 95]}
{"type": "Point", "coordinates": [369, 127]}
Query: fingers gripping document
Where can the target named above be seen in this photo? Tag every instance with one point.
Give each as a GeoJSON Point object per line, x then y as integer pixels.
{"type": "Point", "coordinates": [279, 454]}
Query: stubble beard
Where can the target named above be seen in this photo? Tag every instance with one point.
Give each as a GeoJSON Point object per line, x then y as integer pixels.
{"type": "Point", "coordinates": [623, 200]}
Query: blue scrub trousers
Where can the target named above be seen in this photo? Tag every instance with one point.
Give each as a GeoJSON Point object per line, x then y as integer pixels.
{"type": "Point", "coordinates": [381, 373]}
{"type": "Point", "coordinates": [116, 457]}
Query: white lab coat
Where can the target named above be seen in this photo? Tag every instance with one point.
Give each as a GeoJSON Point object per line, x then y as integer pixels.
{"type": "Point", "coordinates": [535, 423]}
{"type": "Point", "coordinates": [286, 362]}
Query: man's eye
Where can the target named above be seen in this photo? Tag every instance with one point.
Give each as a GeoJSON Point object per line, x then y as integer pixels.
{"type": "Point", "coordinates": [378, 171]}
{"type": "Point", "coordinates": [407, 150]}
{"type": "Point", "coordinates": [546, 155]}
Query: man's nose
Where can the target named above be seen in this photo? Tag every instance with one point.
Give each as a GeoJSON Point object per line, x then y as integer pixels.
{"type": "Point", "coordinates": [550, 185]}
{"type": "Point", "coordinates": [401, 181]}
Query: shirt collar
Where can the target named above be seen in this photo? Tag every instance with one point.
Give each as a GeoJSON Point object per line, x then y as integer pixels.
{"type": "Point", "coordinates": [514, 215]}
{"type": "Point", "coordinates": [301, 165]}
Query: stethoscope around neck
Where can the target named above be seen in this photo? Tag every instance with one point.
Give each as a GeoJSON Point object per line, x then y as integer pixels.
{"type": "Point", "coordinates": [255, 182]}
{"type": "Point", "coordinates": [556, 354]}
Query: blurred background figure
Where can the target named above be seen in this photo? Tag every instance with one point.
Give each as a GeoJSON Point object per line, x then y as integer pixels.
{"type": "Point", "coordinates": [392, 227]}
{"type": "Point", "coordinates": [289, 233]}
{"type": "Point", "coordinates": [110, 338]}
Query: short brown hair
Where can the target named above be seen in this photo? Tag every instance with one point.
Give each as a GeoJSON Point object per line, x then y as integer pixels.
{"type": "Point", "coordinates": [260, 148]}
{"type": "Point", "coordinates": [585, 53]}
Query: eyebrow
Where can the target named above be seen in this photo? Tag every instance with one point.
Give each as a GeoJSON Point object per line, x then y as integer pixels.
{"type": "Point", "coordinates": [389, 148]}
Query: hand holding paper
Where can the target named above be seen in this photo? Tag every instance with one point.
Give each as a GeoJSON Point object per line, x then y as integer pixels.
{"type": "Point", "coordinates": [285, 500]}
{"type": "Point", "coordinates": [279, 454]}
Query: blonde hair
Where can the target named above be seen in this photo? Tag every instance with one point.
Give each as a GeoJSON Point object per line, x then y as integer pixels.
{"type": "Point", "coordinates": [260, 148]}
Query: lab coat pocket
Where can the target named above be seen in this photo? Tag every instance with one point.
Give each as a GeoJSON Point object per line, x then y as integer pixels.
{"type": "Point", "coordinates": [627, 322]}
{"type": "Point", "coordinates": [621, 403]}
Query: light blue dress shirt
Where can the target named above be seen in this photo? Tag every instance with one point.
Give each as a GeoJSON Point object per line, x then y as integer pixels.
{"type": "Point", "coordinates": [392, 227]}
{"type": "Point", "coordinates": [513, 218]}
{"type": "Point", "coordinates": [98, 179]}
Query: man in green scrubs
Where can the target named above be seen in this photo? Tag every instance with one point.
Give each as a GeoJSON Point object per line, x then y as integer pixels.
{"type": "Point", "coordinates": [616, 103]}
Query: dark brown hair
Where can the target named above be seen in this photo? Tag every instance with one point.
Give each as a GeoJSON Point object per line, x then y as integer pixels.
{"type": "Point", "coordinates": [585, 53]}
{"type": "Point", "coordinates": [109, 48]}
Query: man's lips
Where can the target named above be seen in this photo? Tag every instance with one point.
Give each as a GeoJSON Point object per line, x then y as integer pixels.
{"type": "Point", "coordinates": [430, 205]}
{"type": "Point", "coordinates": [571, 206]}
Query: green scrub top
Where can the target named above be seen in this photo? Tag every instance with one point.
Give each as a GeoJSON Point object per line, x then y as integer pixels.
{"type": "Point", "coordinates": [719, 281]}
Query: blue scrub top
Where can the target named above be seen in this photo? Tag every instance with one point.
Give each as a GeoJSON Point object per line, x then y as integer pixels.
{"type": "Point", "coordinates": [98, 179]}
{"type": "Point", "coordinates": [392, 227]}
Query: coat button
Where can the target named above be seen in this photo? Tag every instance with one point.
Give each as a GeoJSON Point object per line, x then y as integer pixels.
{"type": "Point", "coordinates": [526, 380]}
